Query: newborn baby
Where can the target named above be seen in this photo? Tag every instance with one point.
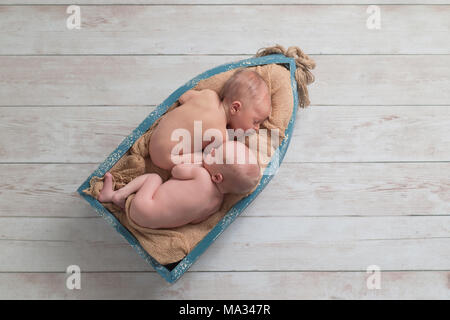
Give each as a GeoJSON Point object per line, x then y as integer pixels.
{"type": "Point", "coordinates": [193, 193]}
{"type": "Point", "coordinates": [245, 103]}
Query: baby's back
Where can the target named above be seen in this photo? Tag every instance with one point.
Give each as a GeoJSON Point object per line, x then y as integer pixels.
{"type": "Point", "coordinates": [188, 200]}
{"type": "Point", "coordinates": [205, 107]}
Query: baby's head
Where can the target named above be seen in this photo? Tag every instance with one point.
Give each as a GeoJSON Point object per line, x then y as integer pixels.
{"type": "Point", "coordinates": [233, 167]}
{"type": "Point", "coordinates": [246, 99]}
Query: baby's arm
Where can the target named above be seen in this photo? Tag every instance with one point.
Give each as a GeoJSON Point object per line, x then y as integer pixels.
{"type": "Point", "coordinates": [190, 158]}
{"type": "Point", "coordinates": [184, 171]}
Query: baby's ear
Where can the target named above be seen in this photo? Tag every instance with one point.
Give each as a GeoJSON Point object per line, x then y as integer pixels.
{"type": "Point", "coordinates": [235, 107]}
{"type": "Point", "coordinates": [217, 178]}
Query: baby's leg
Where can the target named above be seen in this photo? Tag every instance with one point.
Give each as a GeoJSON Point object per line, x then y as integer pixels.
{"type": "Point", "coordinates": [119, 197]}
{"type": "Point", "coordinates": [143, 209]}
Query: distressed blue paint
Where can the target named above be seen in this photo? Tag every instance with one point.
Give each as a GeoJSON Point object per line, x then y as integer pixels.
{"type": "Point", "coordinates": [236, 210]}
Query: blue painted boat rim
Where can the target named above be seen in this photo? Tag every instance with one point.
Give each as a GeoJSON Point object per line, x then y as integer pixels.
{"type": "Point", "coordinates": [236, 210]}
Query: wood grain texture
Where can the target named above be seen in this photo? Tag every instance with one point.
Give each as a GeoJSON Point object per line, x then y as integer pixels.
{"type": "Point", "coordinates": [252, 244]}
{"type": "Point", "coordinates": [228, 285]}
{"type": "Point", "coordinates": [364, 181]}
{"type": "Point", "coordinates": [156, 29]}
{"type": "Point", "coordinates": [148, 80]}
{"type": "Point", "coordinates": [321, 133]}
{"type": "Point", "coordinates": [298, 190]}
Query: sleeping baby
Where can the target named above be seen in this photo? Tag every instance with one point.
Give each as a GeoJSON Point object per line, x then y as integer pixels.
{"type": "Point", "coordinates": [193, 193]}
{"type": "Point", "coordinates": [244, 103]}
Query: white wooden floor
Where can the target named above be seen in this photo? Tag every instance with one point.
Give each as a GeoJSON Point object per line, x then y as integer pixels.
{"type": "Point", "coordinates": [366, 180]}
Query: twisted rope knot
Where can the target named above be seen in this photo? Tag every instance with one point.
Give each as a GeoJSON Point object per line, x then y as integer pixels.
{"type": "Point", "coordinates": [303, 75]}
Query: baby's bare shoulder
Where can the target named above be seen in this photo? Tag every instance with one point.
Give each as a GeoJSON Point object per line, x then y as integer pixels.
{"type": "Point", "coordinates": [202, 178]}
{"type": "Point", "coordinates": [209, 94]}
{"type": "Point", "coordinates": [202, 173]}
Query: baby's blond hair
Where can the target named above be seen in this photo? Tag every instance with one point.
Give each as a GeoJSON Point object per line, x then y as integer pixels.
{"type": "Point", "coordinates": [240, 175]}
{"type": "Point", "coordinates": [244, 176]}
{"type": "Point", "coordinates": [245, 86]}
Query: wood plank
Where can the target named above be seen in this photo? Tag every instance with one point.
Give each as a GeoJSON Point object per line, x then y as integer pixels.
{"type": "Point", "coordinates": [148, 80]}
{"type": "Point", "coordinates": [156, 29]}
{"type": "Point", "coordinates": [44, 190]}
{"type": "Point", "coordinates": [299, 189]}
{"type": "Point", "coordinates": [233, 285]}
{"type": "Point", "coordinates": [277, 243]}
{"type": "Point", "coordinates": [321, 133]}
{"type": "Point", "coordinates": [372, 133]}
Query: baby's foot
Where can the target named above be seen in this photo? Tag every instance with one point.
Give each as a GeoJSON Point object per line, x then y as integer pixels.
{"type": "Point", "coordinates": [107, 191]}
